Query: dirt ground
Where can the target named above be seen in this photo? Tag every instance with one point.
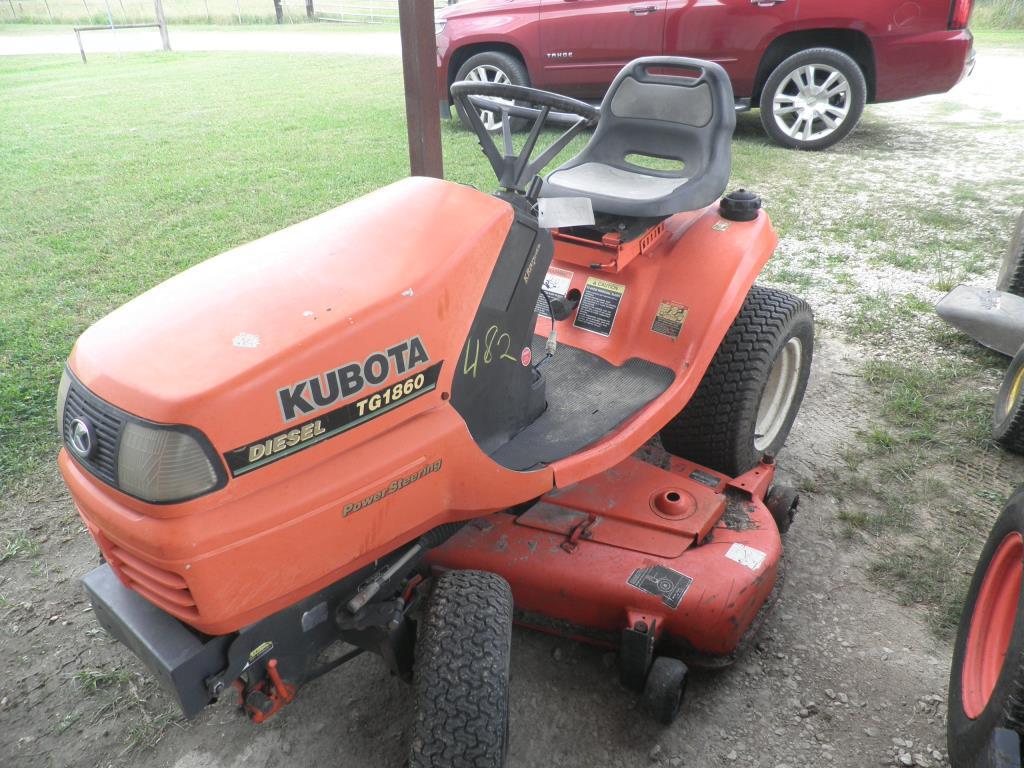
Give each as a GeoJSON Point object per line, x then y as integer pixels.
{"type": "Point", "coordinates": [843, 674]}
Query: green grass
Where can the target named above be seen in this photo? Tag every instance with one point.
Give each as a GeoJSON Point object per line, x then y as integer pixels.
{"type": "Point", "coordinates": [931, 414]}
{"type": "Point", "coordinates": [997, 38]}
{"type": "Point", "coordinates": [92, 680]}
{"type": "Point", "coordinates": [18, 544]}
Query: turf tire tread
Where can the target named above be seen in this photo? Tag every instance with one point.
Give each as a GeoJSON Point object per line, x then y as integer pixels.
{"type": "Point", "coordinates": [461, 673]}
{"type": "Point", "coordinates": [705, 430]}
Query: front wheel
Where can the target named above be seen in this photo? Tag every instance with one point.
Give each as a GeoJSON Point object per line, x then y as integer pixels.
{"type": "Point", "coordinates": [1011, 274]}
{"type": "Point", "coordinates": [748, 399]}
{"type": "Point", "coordinates": [1008, 412]}
{"type": "Point", "coordinates": [492, 67]}
{"type": "Point", "coordinates": [986, 681]}
{"type": "Point", "coordinates": [461, 673]}
{"type": "Point", "coordinates": [813, 99]}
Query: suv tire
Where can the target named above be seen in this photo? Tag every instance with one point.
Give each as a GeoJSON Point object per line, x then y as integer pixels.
{"type": "Point", "coordinates": [495, 67]}
{"type": "Point", "coordinates": [813, 99]}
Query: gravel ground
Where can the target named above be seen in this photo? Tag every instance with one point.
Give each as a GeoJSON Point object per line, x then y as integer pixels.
{"type": "Point", "coordinates": [842, 674]}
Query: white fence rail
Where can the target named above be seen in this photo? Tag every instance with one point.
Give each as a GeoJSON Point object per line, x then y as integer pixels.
{"type": "Point", "coordinates": [218, 11]}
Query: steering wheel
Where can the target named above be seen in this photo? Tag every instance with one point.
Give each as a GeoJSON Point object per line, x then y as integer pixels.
{"type": "Point", "coordinates": [514, 170]}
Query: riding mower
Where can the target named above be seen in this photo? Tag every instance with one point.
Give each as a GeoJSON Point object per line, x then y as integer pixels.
{"type": "Point", "coordinates": [403, 424]}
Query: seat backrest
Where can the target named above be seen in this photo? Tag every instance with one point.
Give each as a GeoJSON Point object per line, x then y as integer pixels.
{"type": "Point", "coordinates": [673, 109]}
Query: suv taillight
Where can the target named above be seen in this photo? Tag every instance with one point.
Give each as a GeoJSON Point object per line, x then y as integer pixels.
{"type": "Point", "coordinates": [960, 13]}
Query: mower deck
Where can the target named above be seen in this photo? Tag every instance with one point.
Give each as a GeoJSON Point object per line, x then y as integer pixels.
{"type": "Point", "coordinates": [687, 554]}
{"type": "Point", "coordinates": [994, 319]}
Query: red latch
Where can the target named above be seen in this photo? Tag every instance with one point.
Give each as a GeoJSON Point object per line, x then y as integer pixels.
{"type": "Point", "coordinates": [261, 702]}
{"type": "Point", "coordinates": [581, 529]}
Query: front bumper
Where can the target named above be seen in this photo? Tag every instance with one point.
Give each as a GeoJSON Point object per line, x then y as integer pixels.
{"type": "Point", "coordinates": [179, 657]}
{"type": "Point", "coordinates": [195, 668]}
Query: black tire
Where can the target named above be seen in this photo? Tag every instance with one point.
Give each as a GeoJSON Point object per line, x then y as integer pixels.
{"type": "Point", "coordinates": [1011, 275]}
{"type": "Point", "coordinates": [969, 739]}
{"type": "Point", "coordinates": [782, 501]}
{"type": "Point", "coordinates": [716, 428]}
{"type": "Point", "coordinates": [664, 689]}
{"type": "Point", "coordinates": [509, 65]}
{"type": "Point", "coordinates": [461, 673]}
{"type": "Point", "coordinates": [1008, 412]}
{"type": "Point", "coordinates": [826, 57]}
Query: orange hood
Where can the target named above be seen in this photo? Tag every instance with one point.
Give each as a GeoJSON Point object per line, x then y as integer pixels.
{"type": "Point", "coordinates": [213, 346]}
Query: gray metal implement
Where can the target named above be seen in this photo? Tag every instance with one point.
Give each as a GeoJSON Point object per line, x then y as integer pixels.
{"type": "Point", "coordinates": [993, 318]}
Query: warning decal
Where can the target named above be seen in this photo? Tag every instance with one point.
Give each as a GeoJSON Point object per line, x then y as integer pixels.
{"type": "Point", "coordinates": [669, 319]}
{"type": "Point", "coordinates": [662, 582]}
{"type": "Point", "coordinates": [556, 285]}
{"type": "Point", "coordinates": [599, 305]}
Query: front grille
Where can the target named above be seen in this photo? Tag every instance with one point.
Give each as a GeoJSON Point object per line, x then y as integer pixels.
{"type": "Point", "coordinates": [163, 588]}
{"type": "Point", "coordinates": [107, 422]}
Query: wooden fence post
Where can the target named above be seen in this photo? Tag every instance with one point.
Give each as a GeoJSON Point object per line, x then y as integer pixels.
{"type": "Point", "coordinates": [419, 69]}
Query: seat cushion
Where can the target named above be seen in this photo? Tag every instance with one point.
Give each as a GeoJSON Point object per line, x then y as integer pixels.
{"type": "Point", "coordinates": [608, 181]}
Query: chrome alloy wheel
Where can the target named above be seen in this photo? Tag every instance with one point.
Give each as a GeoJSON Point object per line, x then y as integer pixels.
{"type": "Point", "coordinates": [777, 398]}
{"type": "Point", "coordinates": [488, 73]}
{"type": "Point", "coordinates": [811, 102]}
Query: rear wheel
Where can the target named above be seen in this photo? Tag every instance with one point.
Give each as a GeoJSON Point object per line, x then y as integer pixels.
{"type": "Point", "coordinates": [461, 673]}
{"type": "Point", "coordinates": [493, 67]}
{"type": "Point", "coordinates": [1011, 275]}
{"type": "Point", "coordinates": [1008, 413]}
{"type": "Point", "coordinates": [813, 99]}
{"type": "Point", "coordinates": [986, 682]}
{"type": "Point", "coordinates": [747, 401]}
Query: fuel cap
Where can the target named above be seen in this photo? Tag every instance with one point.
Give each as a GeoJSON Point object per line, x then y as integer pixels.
{"type": "Point", "coordinates": [740, 205]}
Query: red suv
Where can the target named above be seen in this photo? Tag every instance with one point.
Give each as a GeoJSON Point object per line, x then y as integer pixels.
{"type": "Point", "coordinates": [810, 65]}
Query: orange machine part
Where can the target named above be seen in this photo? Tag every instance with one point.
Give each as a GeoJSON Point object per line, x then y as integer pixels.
{"type": "Point", "coordinates": [411, 259]}
{"type": "Point", "coordinates": [601, 585]}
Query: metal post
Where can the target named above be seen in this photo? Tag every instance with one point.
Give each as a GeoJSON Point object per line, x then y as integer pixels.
{"type": "Point", "coordinates": [110, 20]}
{"type": "Point", "coordinates": [309, 9]}
{"type": "Point", "coordinates": [159, 6]}
{"type": "Point", "coordinates": [81, 48]}
{"type": "Point", "coordinates": [278, 13]}
{"type": "Point", "coordinates": [419, 70]}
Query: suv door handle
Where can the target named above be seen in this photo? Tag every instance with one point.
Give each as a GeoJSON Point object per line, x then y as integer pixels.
{"type": "Point", "coordinates": [643, 10]}
{"type": "Point", "coordinates": [765, 3]}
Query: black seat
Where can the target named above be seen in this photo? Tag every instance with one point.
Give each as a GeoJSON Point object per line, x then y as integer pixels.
{"type": "Point", "coordinates": [685, 118]}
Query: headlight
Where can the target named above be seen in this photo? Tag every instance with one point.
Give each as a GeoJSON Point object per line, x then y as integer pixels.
{"type": "Point", "coordinates": [439, 25]}
{"type": "Point", "coordinates": [158, 463]}
{"type": "Point", "coordinates": [62, 396]}
{"type": "Point", "coordinates": [162, 464]}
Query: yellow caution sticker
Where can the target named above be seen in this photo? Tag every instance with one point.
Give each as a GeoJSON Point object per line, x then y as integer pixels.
{"type": "Point", "coordinates": [599, 306]}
